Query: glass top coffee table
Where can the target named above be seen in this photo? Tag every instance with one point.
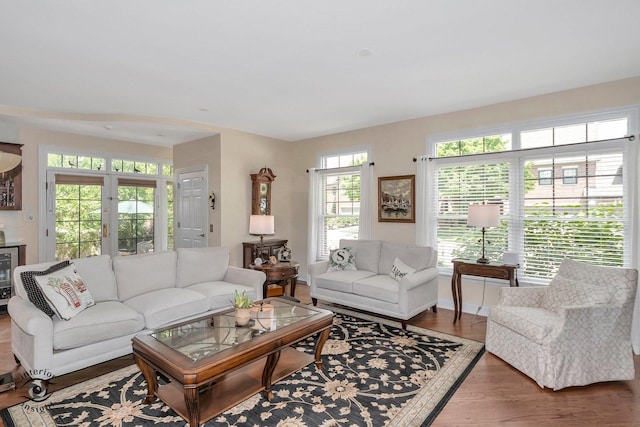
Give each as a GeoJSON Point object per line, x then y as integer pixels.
{"type": "Point", "coordinates": [213, 363]}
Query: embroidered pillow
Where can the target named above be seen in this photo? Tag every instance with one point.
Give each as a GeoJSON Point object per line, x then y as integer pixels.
{"type": "Point", "coordinates": [33, 290]}
{"type": "Point", "coordinates": [400, 269]}
{"type": "Point", "coordinates": [564, 291]}
{"type": "Point", "coordinates": [342, 260]}
{"type": "Point", "coordinates": [65, 291]}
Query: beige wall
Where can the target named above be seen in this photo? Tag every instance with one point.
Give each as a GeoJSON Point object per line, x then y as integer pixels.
{"type": "Point", "coordinates": [394, 145]}
{"type": "Point", "coordinates": [233, 155]}
{"type": "Point", "coordinates": [17, 226]}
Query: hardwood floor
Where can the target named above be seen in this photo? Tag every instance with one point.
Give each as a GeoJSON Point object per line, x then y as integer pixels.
{"type": "Point", "coordinates": [493, 394]}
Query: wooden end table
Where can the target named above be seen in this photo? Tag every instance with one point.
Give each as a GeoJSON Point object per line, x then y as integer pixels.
{"type": "Point", "coordinates": [213, 364]}
{"type": "Point", "coordinates": [279, 274]}
{"type": "Point", "coordinates": [492, 270]}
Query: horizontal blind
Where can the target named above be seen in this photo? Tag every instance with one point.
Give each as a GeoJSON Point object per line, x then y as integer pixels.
{"type": "Point", "coordinates": [574, 206]}
{"type": "Point", "coordinates": [340, 208]}
{"type": "Point", "coordinates": [458, 186]}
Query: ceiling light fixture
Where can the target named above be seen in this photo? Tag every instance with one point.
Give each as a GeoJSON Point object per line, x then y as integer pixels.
{"type": "Point", "coordinates": [108, 127]}
{"type": "Point", "coordinates": [364, 52]}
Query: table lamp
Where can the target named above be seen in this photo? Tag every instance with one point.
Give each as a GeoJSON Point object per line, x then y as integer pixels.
{"type": "Point", "coordinates": [483, 215]}
{"type": "Point", "coordinates": [260, 225]}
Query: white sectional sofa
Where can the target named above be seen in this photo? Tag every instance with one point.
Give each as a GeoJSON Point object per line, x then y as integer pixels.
{"type": "Point", "coordinates": [369, 286]}
{"type": "Point", "coordinates": [131, 294]}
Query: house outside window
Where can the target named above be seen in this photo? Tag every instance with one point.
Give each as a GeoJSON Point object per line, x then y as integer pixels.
{"type": "Point", "coordinates": [562, 196]}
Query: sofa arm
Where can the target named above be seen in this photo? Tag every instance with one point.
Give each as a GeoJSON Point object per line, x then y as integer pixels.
{"type": "Point", "coordinates": [31, 335]}
{"type": "Point", "coordinates": [247, 277]}
{"type": "Point", "coordinates": [418, 278]}
{"type": "Point", "coordinates": [522, 297]}
{"type": "Point", "coordinates": [316, 269]}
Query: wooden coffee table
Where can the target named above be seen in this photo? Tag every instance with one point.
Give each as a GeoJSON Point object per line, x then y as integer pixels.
{"type": "Point", "coordinates": [213, 364]}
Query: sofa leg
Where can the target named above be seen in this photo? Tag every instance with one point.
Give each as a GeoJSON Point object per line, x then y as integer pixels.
{"type": "Point", "coordinates": [314, 301]}
{"type": "Point", "coordinates": [404, 324]}
{"type": "Point", "coordinates": [17, 360]}
{"type": "Point", "coordinates": [434, 308]}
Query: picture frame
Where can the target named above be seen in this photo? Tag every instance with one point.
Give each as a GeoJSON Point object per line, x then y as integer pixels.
{"type": "Point", "coordinates": [396, 198]}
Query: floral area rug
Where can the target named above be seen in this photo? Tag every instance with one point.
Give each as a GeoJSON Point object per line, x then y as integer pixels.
{"type": "Point", "coordinates": [376, 374]}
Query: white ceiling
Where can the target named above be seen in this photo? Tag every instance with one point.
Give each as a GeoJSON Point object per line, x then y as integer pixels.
{"type": "Point", "coordinates": [166, 71]}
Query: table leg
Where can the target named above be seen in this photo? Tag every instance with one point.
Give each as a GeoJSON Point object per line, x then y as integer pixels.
{"type": "Point", "coordinates": [322, 338]}
{"type": "Point", "coordinates": [150, 376]}
{"type": "Point", "coordinates": [269, 367]}
{"type": "Point", "coordinates": [193, 405]}
{"type": "Point", "coordinates": [294, 281]}
{"type": "Point", "coordinates": [459, 288]}
{"type": "Point", "coordinates": [454, 294]}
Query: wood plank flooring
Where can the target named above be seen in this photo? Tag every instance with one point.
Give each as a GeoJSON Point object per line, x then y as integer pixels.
{"type": "Point", "coordinates": [493, 394]}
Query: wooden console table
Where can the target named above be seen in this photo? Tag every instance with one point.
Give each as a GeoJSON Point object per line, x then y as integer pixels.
{"type": "Point", "coordinates": [277, 276]}
{"type": "Point", "coordinates": [493, 270]}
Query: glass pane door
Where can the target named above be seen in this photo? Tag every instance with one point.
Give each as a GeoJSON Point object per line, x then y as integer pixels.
{"type": "Point", "coordinates": [136, 217]}
{"type": "Point", "coordinates": [78, 220]}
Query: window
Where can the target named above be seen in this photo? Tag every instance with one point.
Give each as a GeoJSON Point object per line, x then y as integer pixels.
{"type": "Point", "coordinates": [100, 205]}
{"type": "Point", "coordinates": [545, 176]}
{"type": "Point", "coordinates": [562, 196]}
{"type": "Point", "coordinates": [338, 200]}
{"type": "Point", "coordinates": [569, 176]}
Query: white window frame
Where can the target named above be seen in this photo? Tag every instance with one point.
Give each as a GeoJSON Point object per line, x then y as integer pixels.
{"type": "Point", "coordinates": [160, 217]}
{"type": "Point", "coordinates": [632, 114]}
{"type": "Point", "coordinates": [316, 254]}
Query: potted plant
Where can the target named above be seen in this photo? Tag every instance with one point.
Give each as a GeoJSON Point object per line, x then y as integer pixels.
{"type": "Point", "coordinates": [243, 305]}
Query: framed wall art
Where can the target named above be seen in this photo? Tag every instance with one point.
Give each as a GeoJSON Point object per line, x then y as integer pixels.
{"type": "Point", "coordinates": [396, 198]}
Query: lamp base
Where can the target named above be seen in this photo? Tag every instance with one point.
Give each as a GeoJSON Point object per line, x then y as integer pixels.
{"type": "Point", "coordinates": [482, 260]}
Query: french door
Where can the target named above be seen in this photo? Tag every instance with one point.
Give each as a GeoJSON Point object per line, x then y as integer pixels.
{"type": "Point", "coordinates": [93, 214]}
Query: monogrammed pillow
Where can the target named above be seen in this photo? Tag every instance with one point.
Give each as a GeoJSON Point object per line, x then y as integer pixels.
{"type": "Point", "coordinates": [65, 291]}
{"type": "Point", "coordinates": [342, 260]}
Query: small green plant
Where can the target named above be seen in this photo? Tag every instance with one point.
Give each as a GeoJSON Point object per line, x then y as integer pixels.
{"type": "Point", "coordinates": [242, 300]}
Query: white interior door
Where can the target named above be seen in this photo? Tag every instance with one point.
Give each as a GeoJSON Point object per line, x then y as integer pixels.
{"type": "Point", "coordinates": [191, 220]}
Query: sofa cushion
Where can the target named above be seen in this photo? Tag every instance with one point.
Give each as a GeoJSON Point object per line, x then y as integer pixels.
{"type": "Point", "coordinates": [98, 276]}
{"type": "Point", "coordinates": [341, 280]}
{"type": "Point", "coordinates": [380, 287]}
{"type": "Point", "coordinates": [168, 305]}
{"type": "Point", "coordinates": [367, 253]}
{"type": "Point", "coordinates": [34, 293]}
{"type": "Point", "coordinates": [65, 292]}
{"type": "Point", "coordinates": [140, 274]}
{"type": "Point", "coordinates": [341, 260]}
{"type": "Point", "coordinates": [220, 294]}
{"type": "Point", "coordinates": [399, 269]}
{"type": "Point", "coordinates": [103, 321]}
{"type": "Point", "coordinates": [197, 265]}
{"type": "Point", "coordinates": [418, 257]}
{"type": "Point", "coordinates": [534, 323]}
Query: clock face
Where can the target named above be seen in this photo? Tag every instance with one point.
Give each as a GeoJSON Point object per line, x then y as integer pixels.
{"type": "Point", "coordinates": [258, 261]}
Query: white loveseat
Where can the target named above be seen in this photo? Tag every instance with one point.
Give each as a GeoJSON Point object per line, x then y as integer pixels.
{"type": "Point", "coordinates": [131, 293]}
{"type": "Point", "coordinates": [370, 287]}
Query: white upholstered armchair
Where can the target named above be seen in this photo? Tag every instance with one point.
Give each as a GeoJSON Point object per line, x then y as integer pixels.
{"type": "Point", "coordinates": [576, 331]}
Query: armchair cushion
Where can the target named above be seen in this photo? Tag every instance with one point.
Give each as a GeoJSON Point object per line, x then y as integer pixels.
{"type": "Point", "coordinates": [532, 322]}
{"type": "Point", "coordinates": [563, 291]}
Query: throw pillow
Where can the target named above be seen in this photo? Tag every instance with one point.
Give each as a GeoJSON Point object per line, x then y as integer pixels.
{"type": "Point", "coordinates": [33, 290]}
{"type": "Point", "coordinates": [65, 291]}
{"type": "Point", "coordinates": [564, 291]}
{"type": "Point", "coordinates": [400, 269]}
{"type": "Point", "coordinates": [342, 260]}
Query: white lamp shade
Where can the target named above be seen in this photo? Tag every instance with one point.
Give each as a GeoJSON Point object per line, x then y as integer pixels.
{"type": "Point", "coordinates": [483, 216]}
{"type": "Point", "coordinates": [261, 224]}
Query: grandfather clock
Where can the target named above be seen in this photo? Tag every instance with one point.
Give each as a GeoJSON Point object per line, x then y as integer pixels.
{"type": "Point", "coordinates": [261, 191]}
